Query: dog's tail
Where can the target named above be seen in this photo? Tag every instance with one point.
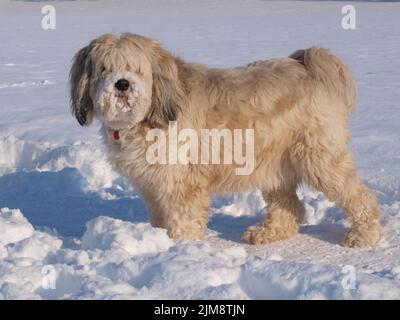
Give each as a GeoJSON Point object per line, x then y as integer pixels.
{"type": "Point", "coordinates": [333, 73]}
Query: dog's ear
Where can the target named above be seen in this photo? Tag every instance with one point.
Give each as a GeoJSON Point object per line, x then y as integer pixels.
{"type": "Point", "coordinates": [79, 79]}
{"type": "Point", "coordinates": [167, 91]}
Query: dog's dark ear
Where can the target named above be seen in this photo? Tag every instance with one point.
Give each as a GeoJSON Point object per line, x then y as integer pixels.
{"type": "Point", "coordinates": [167, 91]}
{"type": "Point", "coordinates": [79, 79]}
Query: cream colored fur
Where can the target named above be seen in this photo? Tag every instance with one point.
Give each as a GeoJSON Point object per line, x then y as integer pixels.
{"type": "Point", "coordinates": [299, 108]}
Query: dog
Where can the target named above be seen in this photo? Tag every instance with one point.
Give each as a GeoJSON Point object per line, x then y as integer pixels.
{"type": "Point", "coordinates": [298, 107]}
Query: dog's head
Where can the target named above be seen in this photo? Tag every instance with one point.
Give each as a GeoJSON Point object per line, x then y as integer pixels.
{"type": "Point", "coordinates": [123, 81]}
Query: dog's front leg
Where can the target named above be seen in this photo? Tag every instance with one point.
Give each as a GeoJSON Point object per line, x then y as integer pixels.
{"type": "Point", "coordinates": [183, 211]}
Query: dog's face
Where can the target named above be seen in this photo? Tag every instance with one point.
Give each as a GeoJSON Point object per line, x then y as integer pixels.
{"type": "Point", "coordinates": [121, 82]}
{"type": "Point", "coordinates": [124, 81]}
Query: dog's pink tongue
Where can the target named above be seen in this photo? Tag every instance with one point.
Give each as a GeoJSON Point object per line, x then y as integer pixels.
{"type": "Point", "coordinates": [116, 135]}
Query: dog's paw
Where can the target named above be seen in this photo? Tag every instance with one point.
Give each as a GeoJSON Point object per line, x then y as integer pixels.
{"type": "Point", "coordinates": [363, 236]}
{"type": "Point", "coordinates": [179, 234]}
{"type": "Point", "coordinates": [265, 233]}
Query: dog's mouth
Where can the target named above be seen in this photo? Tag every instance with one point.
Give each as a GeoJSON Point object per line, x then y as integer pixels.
{"type": "Point", "coordinates": [122, 95]}
{"type": "Point", "coordinates": [123, 102]}
{"type": "Point", "coordinates": [119, 109]}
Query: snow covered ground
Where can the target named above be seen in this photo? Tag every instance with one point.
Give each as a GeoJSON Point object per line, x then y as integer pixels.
{"type": "Point", "coordinates": [73, 220]}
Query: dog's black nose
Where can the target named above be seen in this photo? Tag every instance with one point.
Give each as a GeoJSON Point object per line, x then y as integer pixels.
{"type": "Point", "coordinates": [122, 84]}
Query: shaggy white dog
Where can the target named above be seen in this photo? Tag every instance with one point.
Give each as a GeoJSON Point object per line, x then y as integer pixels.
{"type": "Point", "coordinates": [298, 107]}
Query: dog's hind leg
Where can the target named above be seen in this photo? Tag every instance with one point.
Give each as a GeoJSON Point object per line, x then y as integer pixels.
{"type": "Point", "coordinates": [285, 213]}
{"type": "Point", "coordinates": [335, 175]}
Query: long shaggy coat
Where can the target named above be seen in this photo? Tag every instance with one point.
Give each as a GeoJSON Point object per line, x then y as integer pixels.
{"type": "Point", "coordinates": [298, 107]}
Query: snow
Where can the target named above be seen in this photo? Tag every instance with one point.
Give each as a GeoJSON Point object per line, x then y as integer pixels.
{"type": "Point", "coordinates": [122, 260]}
{"type": "Point", "coordinates": [106, 233]}
{"type": "Point", "coordinates": [64, 209]}
{"type": "Point", "coordinates": [13, 226]}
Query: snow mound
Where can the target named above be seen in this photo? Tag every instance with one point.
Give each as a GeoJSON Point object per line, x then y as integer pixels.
{"type": "Point", "coordinates": [13, 226]}
{"type": "Point", "coordinates": [105, 233]}
{"type": "Point", "coordinates": [241, 204]}
{"type": "Point", "coordinates": [89, 159]}
{"type": "Point", "coordinates": [124, 260]}
{"type": "Point", "coordinates": [18, 238]}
